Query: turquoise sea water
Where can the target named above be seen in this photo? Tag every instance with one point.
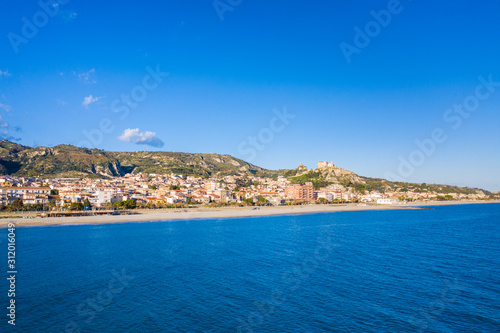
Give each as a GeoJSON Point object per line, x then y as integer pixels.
{"type": "Point", "coordinates": [428, 270]}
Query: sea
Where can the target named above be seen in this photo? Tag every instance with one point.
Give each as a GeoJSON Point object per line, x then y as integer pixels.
{"type": "Point", "coordinates": [435, 269]}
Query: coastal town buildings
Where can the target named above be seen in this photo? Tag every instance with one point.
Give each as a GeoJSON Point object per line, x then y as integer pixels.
{"type": "Point", "coordinates": [151, 190]}
{"type": "Point", "coordinates": [29, 195]}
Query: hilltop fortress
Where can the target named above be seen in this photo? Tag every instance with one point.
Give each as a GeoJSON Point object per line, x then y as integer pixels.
{"type": "Point", "coordinates": [331, 172]}
{"type": "Point", "coordinates": [329, 166]}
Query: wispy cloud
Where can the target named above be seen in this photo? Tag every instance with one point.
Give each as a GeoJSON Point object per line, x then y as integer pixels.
{"type": "Point", "coordinates": [61, 102]}
{"type": "Point", "coordinates": [89, 100]}
{"type": "Point", "coordinates": [6, 129]}
{"type": "Point", "coordinates": [87, 77]}
{"type": "Point", "coordinates": [5, 107]}
{"type": "Point", "coordinates": [145, 138]}
{"type": "Point", "coordinates": [4, 73]}
{"type": "Point", "coordinates": [67, 15]}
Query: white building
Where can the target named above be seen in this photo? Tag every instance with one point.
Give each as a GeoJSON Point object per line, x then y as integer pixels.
{"type": "Point", "coordinates": [387, 201]}
{"type": "Point", "coordinates": [326, 195]}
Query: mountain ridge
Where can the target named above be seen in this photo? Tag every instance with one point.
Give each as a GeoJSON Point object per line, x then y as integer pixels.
{"type": "Point", "coordinates": [71, 161]}
{"type": "Point", "coordinates": [22, 160]}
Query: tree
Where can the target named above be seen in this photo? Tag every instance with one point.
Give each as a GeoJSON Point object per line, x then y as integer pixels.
{"type": "Point", "coordinates": [130, 204]}
{"type": "Point", "coordinates": [323, 201]}
{"type": "Point", "coordinates": [360, 188]}
{"type": "Point", "coordinates": [76, 206]}
{"type": "Point", "coordinates": [51, 204]}
{"type": "Point", "coordinates": [262, 201]}
{"type": "Point", "coordinates": [16, 205]}
{"type": "Point", "coordinates": [127, 204]}
{"type": "Point", "coordinates": [248, 202]}
{"type": "Point", "coordinates": [54, 192]}
{"type": "Point", "coordinates": [86, 203]}
{"type": "Point", "coordinates": [153, 187]}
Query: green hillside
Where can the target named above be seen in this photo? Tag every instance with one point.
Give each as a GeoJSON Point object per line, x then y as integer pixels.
{"type": "Point", "coordinates": [67, 160]}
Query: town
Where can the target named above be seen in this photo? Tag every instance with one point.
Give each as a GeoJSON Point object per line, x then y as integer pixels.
{"type": "Point", "coordinates": [155, 191]}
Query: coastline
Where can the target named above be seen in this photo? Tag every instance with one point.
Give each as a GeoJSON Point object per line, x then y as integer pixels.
{"type": "Point", "coordinates": [224, 212]}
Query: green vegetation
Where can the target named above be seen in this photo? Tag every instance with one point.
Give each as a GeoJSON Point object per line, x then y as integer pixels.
{"type": "Point", "coordinates": [244, 183]}
{"type": "Point", "coordinates": [263, 202]}
{"type": "Point", "coordinates": [17, 205]}
{"type": "Point", "coordinates": [86, 203]}
{"type": "Point", "coordinates": [314, 177]}
{"type": "Point", "coordinates": [76, 206]}
{"type": "Point", "coordinates": [127, 204]}
{"type": "Point", "coordinates": [71, 161]}
{"type": "Point", "coordinates": [322, 201]}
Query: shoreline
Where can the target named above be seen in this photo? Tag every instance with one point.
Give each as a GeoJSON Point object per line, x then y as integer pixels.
{"type": "Point", "coordinates": [223, 212]}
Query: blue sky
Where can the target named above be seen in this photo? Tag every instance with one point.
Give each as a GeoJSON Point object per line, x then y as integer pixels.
{"type": "Point", "coordinates": [228, 79]}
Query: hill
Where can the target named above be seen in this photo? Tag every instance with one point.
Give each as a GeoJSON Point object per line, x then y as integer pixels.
{"type": "Point", "coordinates": [71, 161]}
{"type": "Point", "coordinates": [329, 174]}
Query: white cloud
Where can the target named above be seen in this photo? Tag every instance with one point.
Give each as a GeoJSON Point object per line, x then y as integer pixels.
{"type": "Point", "coordinates": [5, 107]}
{"type": "Point", "coordinates": [63, 103]}
{"type": "Point", "coordinates": [145, 138]}
{"type": "Point", "coordinates": [6, 73]}
{"type": "Point", "coordinates": [89, 100]}
{"type": "Point", "coordinates": [88, 77]}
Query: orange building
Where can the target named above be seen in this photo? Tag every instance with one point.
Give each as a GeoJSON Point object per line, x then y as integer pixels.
{"type": "Point", "coordinates": [300, 192]}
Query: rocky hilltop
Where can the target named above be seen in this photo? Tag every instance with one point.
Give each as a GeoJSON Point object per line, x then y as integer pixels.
{"type": "Point", "coordinates": [332, 173]}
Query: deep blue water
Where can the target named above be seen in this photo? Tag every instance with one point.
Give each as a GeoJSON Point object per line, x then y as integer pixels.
{"type": "Point", "coordinates": [429, 270]}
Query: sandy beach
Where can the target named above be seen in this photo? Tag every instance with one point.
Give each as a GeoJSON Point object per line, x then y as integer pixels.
{"type": "Point", "coordinates": [226, 212]}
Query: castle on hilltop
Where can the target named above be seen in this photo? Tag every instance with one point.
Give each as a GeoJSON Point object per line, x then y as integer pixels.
{"type": "Point", "coordinates": [326, 165]}
{"type": "Point", "coordinates": [332, 171]}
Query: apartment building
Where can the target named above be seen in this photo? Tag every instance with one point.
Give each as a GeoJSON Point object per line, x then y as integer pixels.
{"type": "Point", "coordinates": [300, 192]}
{"type": "Point", "coordinates": [29, 195]}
